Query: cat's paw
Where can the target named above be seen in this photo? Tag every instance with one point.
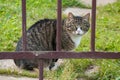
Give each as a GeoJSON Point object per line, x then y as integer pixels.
{"type": "Point", "coordinates": [57, 64]}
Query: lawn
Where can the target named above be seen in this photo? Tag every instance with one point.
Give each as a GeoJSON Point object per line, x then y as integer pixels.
{"type": "Point", "coordinates": [107, 37]}
{"type": "Point", "coordinates": [10, 18]}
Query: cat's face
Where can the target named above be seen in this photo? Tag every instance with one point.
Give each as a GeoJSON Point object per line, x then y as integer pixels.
{"type": "Point", "coordinates": [76, 25]}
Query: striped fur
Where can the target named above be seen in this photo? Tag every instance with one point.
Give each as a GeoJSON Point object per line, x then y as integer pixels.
{"type": "Point", "coordinates": [42, 37]}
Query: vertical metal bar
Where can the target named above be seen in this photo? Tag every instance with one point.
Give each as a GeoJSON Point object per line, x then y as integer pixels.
{"type": "Point", "coordinates": [93, 25]}
{"type": "Point", "coordinates": [24, 25]}
{"type": "Point", "coordinates": [40, 69]}
{"type": "Point", "coordinates": [59, 25]}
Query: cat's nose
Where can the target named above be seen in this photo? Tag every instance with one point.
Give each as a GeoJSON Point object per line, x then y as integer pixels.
{"type": "Point", "coordinates": [79, 31]}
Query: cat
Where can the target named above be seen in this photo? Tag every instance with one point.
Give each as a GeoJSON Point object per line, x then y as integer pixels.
{"type": "Point", "coordinates": [42, 37]}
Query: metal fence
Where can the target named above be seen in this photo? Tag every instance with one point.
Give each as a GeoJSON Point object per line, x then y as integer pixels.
{"type": "Point", "coordinates": [58, 54]}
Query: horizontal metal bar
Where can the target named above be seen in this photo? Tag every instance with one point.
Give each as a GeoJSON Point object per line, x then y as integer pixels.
{"type": "Point", "coordinates": [58, 54]}
{"type": "Point", "coordinates": [77, 55]}
{"type": "Point", "coordinates": [17, 55]}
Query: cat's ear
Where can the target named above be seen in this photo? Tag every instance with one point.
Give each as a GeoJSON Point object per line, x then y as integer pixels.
{"type": "Point", "coordinates": [70, 16]}
{"type": "Point", "coordinates": [86, 17]}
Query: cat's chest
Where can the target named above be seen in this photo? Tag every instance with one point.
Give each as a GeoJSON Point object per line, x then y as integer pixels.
{"type": "Point", "coordinates": [76, 40]}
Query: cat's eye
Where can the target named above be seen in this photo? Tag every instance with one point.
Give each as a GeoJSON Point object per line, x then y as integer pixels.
{"type": "Point", "coordinates": [76, 28]}
{"type": "Point", "coordinates": [81, 28]}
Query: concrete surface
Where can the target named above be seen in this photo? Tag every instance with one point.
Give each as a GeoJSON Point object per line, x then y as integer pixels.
{"type": "Point", "coordinates": [77, 11]}
{"type": "Point", "coordinates": [99, 2]}
{"type": "Point", "coordinates": [16, 78]}
{"type": "Point", "coordinates": [7, 64]}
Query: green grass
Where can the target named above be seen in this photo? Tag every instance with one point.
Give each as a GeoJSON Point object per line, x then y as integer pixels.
{"type": "Point", "coordinates": [18, 73]}
{"type": "Point", "coordinates": [107, 37]}
{"type": "Point", "coordinates": [10, 17]}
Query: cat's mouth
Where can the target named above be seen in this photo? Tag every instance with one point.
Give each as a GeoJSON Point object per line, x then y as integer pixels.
{"type": "Point", "coordinates": [74, 33]}
{"type": "Point", "coordinates": [80, 34]}
{"type": "Point", "coordinates": [77, 34]}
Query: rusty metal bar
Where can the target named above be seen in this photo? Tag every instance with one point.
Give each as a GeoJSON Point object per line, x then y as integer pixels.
{"type": "Point", "coordinates": [24, 39]}
{"type": "Point", "coordinates": [59, 54]}
{"type": "Point", "coordinates": [17, 55]}
{"type": "Point", "coordinates": [93, 24]}
{"type": "Point", "coordinates": [59, 25]}
{"type": "Point", "coordinates": [40, 69]}
{"type": "Point", "coordinates": [78, 55]}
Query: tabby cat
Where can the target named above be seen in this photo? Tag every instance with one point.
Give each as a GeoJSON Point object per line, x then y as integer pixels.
{"type": "Point", "coordinates": [42, 37]}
